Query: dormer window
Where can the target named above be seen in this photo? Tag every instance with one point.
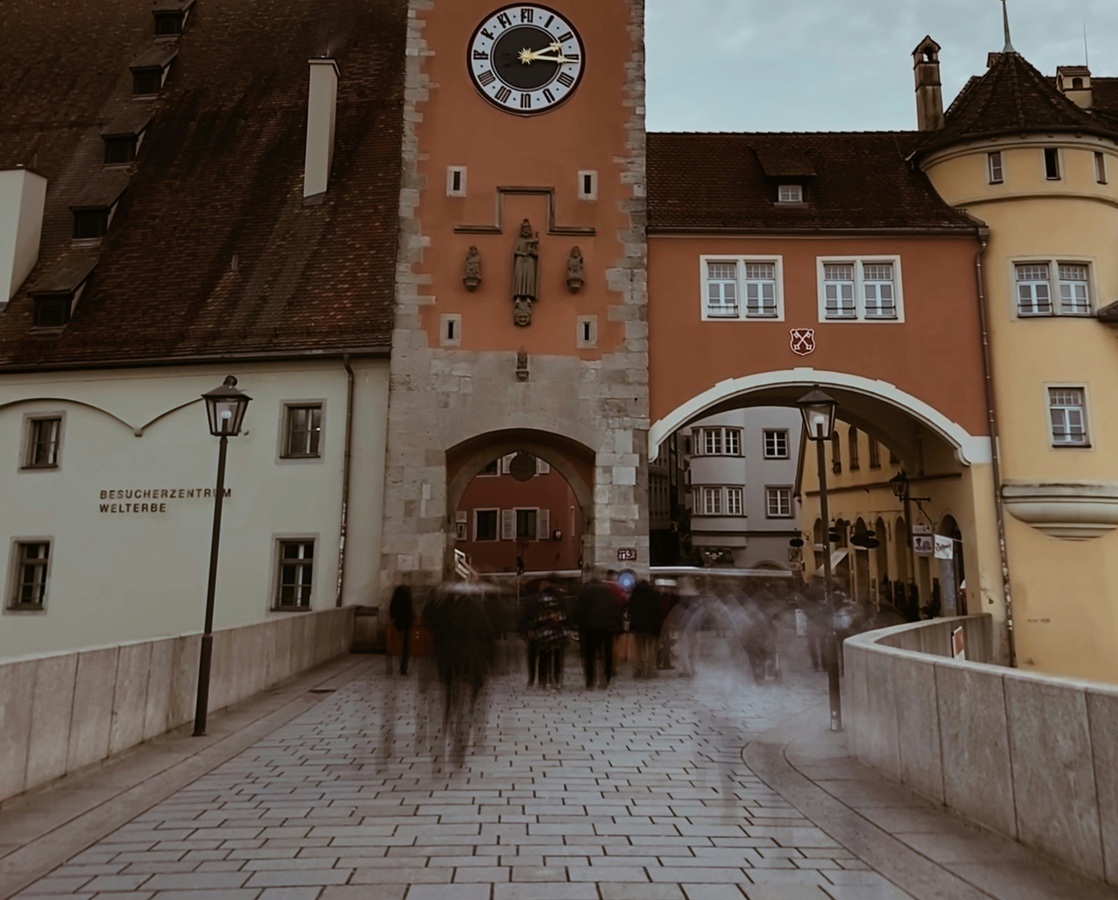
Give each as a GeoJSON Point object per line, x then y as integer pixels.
{"type": "Point", "coordinates": [90, 223]}
{"type": "Point", "coordinates": [94, 207]}
{"type": "Point", "coordinates": [56, 294]}
{"type": "Point", "coordinates": [123, 136]}
{"type": "Point", "coordinates": [790, 193]}
{"type": "Point", "coordinates": [170, 16]}
{"type": "Point", "coordinates": [150, 70]}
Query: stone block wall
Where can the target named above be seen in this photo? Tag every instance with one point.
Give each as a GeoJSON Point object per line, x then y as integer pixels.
{"type": "Point", "coordinates": [66, 711]}
{"type": "Point", "coordinates": [1030, 756]}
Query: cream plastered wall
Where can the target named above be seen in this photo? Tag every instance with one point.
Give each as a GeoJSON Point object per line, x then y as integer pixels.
{"type": "Point", "coordinates": [1065, 591]}
{"type": "Point", "coordinates": [127, 575]}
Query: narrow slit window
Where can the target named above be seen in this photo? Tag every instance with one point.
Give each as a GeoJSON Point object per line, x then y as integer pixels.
{"type": "Point", "coordinates": [451, 331]}
{"type": "Point", "coordinates": [994, 166]}
{"type": "Point", "coordinates": [456, 181]}
{"type": "Point", "coordinates": [1052, 163]}
{"type": "Point", "coordinates": [588, 185]}
{"type": "Point", "coordinates": [1100, 168]}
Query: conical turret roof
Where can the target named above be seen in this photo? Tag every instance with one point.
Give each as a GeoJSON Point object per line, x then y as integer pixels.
{"type": "Point", "coordinates": [1012, 98]}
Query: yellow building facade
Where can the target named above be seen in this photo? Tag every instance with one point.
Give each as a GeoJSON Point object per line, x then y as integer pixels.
{"type": "Point", "coordinates": [1035, 160]}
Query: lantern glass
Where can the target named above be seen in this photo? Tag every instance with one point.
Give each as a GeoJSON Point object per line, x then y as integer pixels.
{"type": "Point", "coordinates": [818, 410]}
{"type": "Point", "coordinates": [225, 408]}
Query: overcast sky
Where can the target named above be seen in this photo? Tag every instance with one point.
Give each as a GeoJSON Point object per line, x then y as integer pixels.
{"type": "Point", "coordinates": [843, 65]}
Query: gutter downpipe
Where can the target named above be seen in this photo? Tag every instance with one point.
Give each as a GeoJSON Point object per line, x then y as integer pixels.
{"type": "Point", "coordinates": [995, 456]}
{"type": "Point", "coordinates": [343, 524]}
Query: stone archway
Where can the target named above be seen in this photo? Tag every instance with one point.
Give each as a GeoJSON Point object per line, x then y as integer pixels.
{"type": "Point", "coordinates": [572, 460]}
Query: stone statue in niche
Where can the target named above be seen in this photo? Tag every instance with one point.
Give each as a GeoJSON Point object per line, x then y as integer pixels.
{"type": "Point", "coordinates": [575, 278]}
{"type": "Point", "coordinates": [472, 276]}
{"type": "Point", "coordinates": [525, 269]}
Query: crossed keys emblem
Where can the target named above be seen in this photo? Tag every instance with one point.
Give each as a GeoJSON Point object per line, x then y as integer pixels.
{"type": "Point", "coordinates": [803, 341]}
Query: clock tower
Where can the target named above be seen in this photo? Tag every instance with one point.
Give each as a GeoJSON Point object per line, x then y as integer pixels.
{"type": "Point", "coordinates": [521, 297]}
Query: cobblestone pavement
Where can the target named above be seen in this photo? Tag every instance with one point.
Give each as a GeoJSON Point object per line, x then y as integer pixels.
{"type": "Point", "coordinates": [634, 791]}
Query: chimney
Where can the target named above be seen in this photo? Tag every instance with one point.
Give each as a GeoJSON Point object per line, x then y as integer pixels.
{"type": "Point", "coordinates": [322, 103]}
{"type": "Point", "coordinates": [1074, 83]}
{"type": "Point", "coordinates": [929, 90]}
{"type": "Point", "coordinates": [22, 198]}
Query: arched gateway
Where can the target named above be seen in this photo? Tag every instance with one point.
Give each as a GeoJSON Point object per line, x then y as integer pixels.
{"type": "Point", "coordinates": [573, 288]}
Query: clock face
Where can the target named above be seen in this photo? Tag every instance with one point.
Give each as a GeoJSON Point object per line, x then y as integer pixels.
{"type": "Point", "coordinates": [525, 59]}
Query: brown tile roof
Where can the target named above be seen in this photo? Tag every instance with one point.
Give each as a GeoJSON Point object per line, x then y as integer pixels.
{"type": "Point", "coordinates": [1105, 98]}
{"type": "Point", "coordinates": [1010, 98]}
{"type": "Point", "coordinates": [861, 182]}
{"type": "Point", "coordinates": [218, 176]}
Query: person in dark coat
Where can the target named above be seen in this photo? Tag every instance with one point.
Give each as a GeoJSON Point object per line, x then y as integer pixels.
{"type": "Point", "coordinates": [402, 613]}
{"type": "Point", "coordinates": [463, 634]}
{"type": "Point", "coordinates": [645, 621]}
{"type": "Point", "coordinates": [599, 616]}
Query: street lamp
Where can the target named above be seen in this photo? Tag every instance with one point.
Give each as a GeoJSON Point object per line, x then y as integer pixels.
{"type": "Point", "coordinates": [818, 410]}
{"type": "Point", "coordinates": [225, 409]}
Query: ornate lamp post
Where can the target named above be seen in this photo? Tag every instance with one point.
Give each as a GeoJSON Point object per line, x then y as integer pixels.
{"type": "Point", "coordinates": [225, 408]}
{"type": "Point", "coordinates": [818, 410]}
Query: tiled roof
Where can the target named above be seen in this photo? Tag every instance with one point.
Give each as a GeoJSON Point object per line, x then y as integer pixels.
{"type": "Point", "coordinates": [1105, 98]}
{"type": "Point", "coordinates": [861, 181]}
{"type": "Point", "coordinates": [218, 178]}
{"type": "Point", "coordinates": [1010, 98]}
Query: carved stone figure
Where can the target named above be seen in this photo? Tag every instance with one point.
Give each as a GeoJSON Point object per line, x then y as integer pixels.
{"type": "Point", "coordinates": [575, 278]}
{"type": "Point", "coordinates": [472, 276]}
{"type": "Point", "coordinates": [522, 312]}
{"type": "Point", "coordinates": [525, 268]}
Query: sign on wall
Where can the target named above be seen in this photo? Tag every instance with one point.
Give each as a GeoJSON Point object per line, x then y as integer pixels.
{"type": "Point", "coordinates": [131, 501]}
{"type": "Point", "coordinates": [627, 554]}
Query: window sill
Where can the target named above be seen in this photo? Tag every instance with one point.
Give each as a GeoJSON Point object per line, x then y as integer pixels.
{"type": "Point", "coordinates": [292, 609]}
{"type": "Point", "coordinates": [26, 608]}
{"type": "Point", "coordinates": [41, 468]}
{"type": "Point", "coordinates": [301, 457]}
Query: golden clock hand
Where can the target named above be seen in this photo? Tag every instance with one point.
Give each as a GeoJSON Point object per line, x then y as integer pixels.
{"type": "Point", "coordinates": [527, 57]}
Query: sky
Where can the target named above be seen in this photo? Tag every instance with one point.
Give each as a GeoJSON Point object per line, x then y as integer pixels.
{"type": "Point", "coordinates": [843, 65]}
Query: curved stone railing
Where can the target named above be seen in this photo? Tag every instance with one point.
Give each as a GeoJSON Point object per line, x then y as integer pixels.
{"type": "Point", "coordinates": [1031, 756]}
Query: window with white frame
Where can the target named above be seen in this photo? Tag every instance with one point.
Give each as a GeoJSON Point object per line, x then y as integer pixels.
{"type": "Point", "coordinates": [790, 193]}
{"type": "Point", "coordinates": [994, 167]}
{"type": "Point", "coordinates": [778, 502]}
{"type": "Point", "coordinates": [525, 524]}
{"type": "Point", "coordinates": [1067, 412]}
{"type": "Point", "coordinates": [302, 431]}
{"type": "Point", "coordinates": [776, 443]}
{"type": "Point", "coordinates": [295, 574]}
{"type": "Point", "coordinates": [485, 524]}
{"type": "Point", "coordinates": [1038, 282]}
{"type": "Point", "coordinates": [30, 574]}
{"type": "Point", "coordinates": [730, 281]}
{"type": "Point", "coordinates": [712, 501]}
{"type": "Point", "coordinates": [720, 500]}
{"type": "Point", "coordinates": [721, 441]}
{"type": "Point", "coordinates": [42, 443]}
{"type": "Point", "coordinates": [735, 501]}
{"type": "Point", "coordinates": [860, 289]}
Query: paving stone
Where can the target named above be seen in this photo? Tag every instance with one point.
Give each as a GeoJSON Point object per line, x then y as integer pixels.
{"type": "Point", "coordinates": [635, 793]}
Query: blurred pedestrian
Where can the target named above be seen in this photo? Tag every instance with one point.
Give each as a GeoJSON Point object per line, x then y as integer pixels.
{"type": "Point", "coordinates": [645, 621]}
{"type": "Point", "coordinates": [599, 619]}
{"type": "Point", "coordinates": [402, 613]}
{"type": "Point", "coordinates": [548, 633]}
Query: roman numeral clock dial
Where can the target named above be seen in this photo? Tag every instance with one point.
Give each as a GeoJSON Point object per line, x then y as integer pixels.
{"type": "Point", "coordinates": [525, 59]}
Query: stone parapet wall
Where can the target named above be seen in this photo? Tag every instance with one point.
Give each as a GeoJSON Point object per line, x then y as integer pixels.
{"type": "Point", "coordinates": [63, 712]}
{"type": "Point", "coordinates": [1030, 756]}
